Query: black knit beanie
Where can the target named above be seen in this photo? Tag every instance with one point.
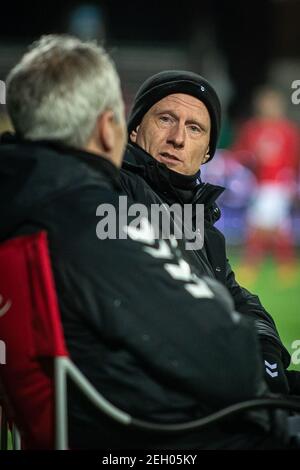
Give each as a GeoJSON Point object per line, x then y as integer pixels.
{"type": "Point", "coordinates": [177, 81]}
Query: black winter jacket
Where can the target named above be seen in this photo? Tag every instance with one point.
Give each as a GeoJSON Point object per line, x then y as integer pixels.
{"type": "Point", "coordinates": [147, 181]}
{"type": "Point", "coordinates": [136, 331]}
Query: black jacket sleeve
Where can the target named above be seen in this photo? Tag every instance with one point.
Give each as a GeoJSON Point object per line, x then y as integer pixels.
{"type": "Point", "coordinates": [276, 358]}
{"type": "Point", "coordinates": [250, 305]}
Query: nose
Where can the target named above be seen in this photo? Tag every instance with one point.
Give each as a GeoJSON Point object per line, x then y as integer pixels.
{"type": "Point", "coordinates": [176, 136]}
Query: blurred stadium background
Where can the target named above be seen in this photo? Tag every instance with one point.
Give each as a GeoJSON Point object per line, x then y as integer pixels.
{"type": "Point", "coordinates": [238, 46]}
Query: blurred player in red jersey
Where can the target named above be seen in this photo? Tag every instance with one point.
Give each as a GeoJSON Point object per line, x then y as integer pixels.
{"type": "Point", "coordinates": [268, 143]}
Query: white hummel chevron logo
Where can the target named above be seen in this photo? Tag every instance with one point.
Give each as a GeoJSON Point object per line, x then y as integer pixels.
{"type": "Point", "coordinates": [5, 308]}
{"type": "Point", "coordinates": [272, 374]}
{"type": "Point", "coordinates": [162, 252]}
{"type": "Point", "coordinates": [144, 234]}
{"type": "Point", "coordinates": [271, 366]}
{"type": "Point", "coordinates": [181, 271]}
{"type": "Point", "coordinates": [199, 290]}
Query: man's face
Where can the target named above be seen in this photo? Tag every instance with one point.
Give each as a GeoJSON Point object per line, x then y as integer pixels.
{"type": "Point", "coordinates": [176, 132]}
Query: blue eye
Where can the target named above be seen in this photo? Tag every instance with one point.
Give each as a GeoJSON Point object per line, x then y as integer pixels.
{"type": "Point", "coordinates": [165, 118]}
{"type": "Point", "coordinates": [195, 129]}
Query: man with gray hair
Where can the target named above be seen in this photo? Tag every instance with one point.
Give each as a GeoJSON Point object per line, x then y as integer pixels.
{"type": "Point", "coordinates": [60, 88]}
{"type": "Point", "coordinates": [136, 318]}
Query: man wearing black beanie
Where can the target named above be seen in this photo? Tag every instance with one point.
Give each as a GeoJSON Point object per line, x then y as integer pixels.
{"type": "Point", "coordinates": [169, 83]}
{"type": "Point", "coordinates": [173, 129]}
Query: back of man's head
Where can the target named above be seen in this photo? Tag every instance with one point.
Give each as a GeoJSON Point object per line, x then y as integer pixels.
{"type": "Point", "coordinates": [59, 88]}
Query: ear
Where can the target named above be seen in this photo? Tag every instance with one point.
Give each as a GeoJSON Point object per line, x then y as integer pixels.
{"type": "Point", "coordinates": [206, 156]}
{"type": "Point", "coordinates": [133, 135]}
{"type": "Point", "coordinates": [106, 132]}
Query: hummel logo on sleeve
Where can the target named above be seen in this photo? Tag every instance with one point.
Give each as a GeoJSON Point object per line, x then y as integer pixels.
{"type": "Point", "coordinates": [270, 367]}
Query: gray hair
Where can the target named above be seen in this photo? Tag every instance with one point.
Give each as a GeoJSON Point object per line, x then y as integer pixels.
{"type": "Point", "coordinates": [60, 87]}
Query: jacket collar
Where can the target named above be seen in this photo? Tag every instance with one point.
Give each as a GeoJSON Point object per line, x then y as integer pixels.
{"type": "Point", "coordinates": [165, 181]}
{"type": "Point", "coordinates": [33, 173]}
{"type": "Point", "coordinates": [96, 162]}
